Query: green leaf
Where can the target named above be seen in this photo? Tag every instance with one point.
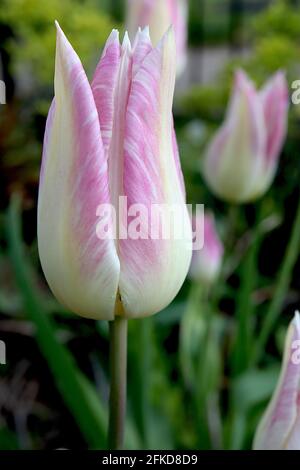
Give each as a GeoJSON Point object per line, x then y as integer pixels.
{"type": "Point", "coordinates": [254, 387]}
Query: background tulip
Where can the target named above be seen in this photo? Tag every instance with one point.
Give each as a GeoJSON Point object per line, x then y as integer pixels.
{"type": "Point", "coordinates": [242, 158]}
{"type": "Point", "coordinates": [112, 138]}
{"type": "Point", "coordinates": [280, 425]}
{"type": "Point", "coordinates": [159, 15]}
{"type": "Point", "coordinates": [207, 261]}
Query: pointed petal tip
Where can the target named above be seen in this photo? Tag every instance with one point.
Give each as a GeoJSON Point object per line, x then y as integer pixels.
{"type": "Point", "coordinates": [59, 31]}
{"type": "Point", "coordinates": [241, 78]}
{"type": "Point", "coordinates": [244, 84]}
{"type": "Point", "coordinates": [168, 40]}
{"type": "Point", "coordinates": [113, 39]}
{"type": "Point", "coordinates": [64, 48]}
{"type": "Point", "coordinates": [126, 44]}
{"type": "Point", "coordinates": [280, 74]}
{"type": "Point", "coordinates": [296, 321]}
{"type": "Point", "coordinates": [142, 37]}
{"type": "Point", "coordinates": [281, 82]}
{"type": "Point", "coordinates": [278, 79]}
{"type": "Point", "coordinates": [170, 33]}
{"type": "Point", "coordinates": [114, 36]}
{"type": "Point", "coordinates": [146, 32]}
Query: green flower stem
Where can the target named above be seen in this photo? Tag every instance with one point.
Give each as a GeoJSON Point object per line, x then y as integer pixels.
{"type": "Point", "coordinates": [282, 285]}
{"type": "Point", "coordinates": [192, 309]}
{"type": "Point", "coordinates": [141, 385]}
{"type": "Point", "coordinates": [245, 305]}
{"type": "Point", "coordinates": [118, 372]}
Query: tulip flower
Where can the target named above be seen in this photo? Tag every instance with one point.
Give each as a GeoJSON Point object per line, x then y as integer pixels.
{"type": "Point", "coordinates": [241, 160]}
{"type": "Point", "coordinates": [112, 138]}
{"type": "Point", "coordinates": [159, 15]}
{"type": "Point", "coordinates": [280, 425]}
{"type": "Point", "coordinates": [206, 262]}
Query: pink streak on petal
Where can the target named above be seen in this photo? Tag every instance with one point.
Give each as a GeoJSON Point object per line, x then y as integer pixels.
{"type": "Point", "coordinates": [104, 83]}
{"type": "Point", "coordinates": [151, 177]}
{"type": "Point", "coordinates": [275, 99]}
{"type": "Point", "coordinates": [212, 242]}
{"type": "Point", "coordinates": [177, 162]}
{"type": "Point", "coordinates": [89, 177]}
{"type": "Point", "coordinates": [142, 179]}
{"type": "Point", "coordinates": [141, 48]}
{"type": "Point", "coordinates": [75, 261]}
{"type": "Point", "coordinates": [206, 262]}
{"type": "Point", "coordinates": [121, 96]}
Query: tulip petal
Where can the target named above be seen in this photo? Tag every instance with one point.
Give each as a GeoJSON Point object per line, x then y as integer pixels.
{"type": "Point", "coordinates": [275, 99]}
{"type": "Point", "coordinates": [279, 427]}
{"type": "Point", "coordinates": [81, 269]}
{"type": "Point", "coordinates": [116, 149]}
{"type": "Point", "coordinates": [104, 84]}
{"type": "Point", "coordinates": [152, 176]}
{"type": "Point", "coordinates": [141, 47]}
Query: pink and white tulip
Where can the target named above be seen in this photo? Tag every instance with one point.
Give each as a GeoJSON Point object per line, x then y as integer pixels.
{"type": "Point", "coordinates": [242, 158]}
{"type": "Point", "coordinates": [159, 15]}
{"type": "Point", "coordinates": [109, 138]}
{"type": "Point", "coordinates": [207, 261]}
{"type": "Point", "coordinates": [279, 428]}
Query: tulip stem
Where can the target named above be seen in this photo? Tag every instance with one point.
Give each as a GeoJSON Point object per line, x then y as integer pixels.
{"type": "Point", "coordinates": [245, 304]}
{"type": "Point", "coordinates": [118, 372]}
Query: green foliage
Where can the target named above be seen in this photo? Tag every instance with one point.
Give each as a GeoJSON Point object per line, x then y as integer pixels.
{"type": "Point", "coordinates": [219, 21]}
{"type": "Point", "coordinates": [272, 53]}
{"type": "Point", "coordinates": [32, 24]}
{"type": "Point", "coordinates": [280, 19]}
{"type": "Point", "coordinates": [207, 101]}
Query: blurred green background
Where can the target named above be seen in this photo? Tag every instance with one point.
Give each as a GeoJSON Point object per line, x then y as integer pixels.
{"type": "Point", "coordinates": [191, 383]}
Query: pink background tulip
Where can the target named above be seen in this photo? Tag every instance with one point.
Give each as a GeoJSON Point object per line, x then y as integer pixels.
{"type": "Point", "coordinates": [241, 160]}
{"type": "Point", "coordinates": [111, 138]}
{"type": "Point", "coordinates": [206, 262]}
{"type": "Point", "coordinates": [159, 15]}
{"type": "Point", "coordinates": [280, 425]}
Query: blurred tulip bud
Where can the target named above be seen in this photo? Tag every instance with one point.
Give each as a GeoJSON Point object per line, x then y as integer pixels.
{"type": "Point", "coordinates": [159, 15]}
{"type": "Point", "coordinates": [112, 138]}
{"type": "Point", "coordinates": [280, 426]}
{"type": "Point", "coordinates": [206, 262]}
{"type": "Point", "coordinates": [241, 160]}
